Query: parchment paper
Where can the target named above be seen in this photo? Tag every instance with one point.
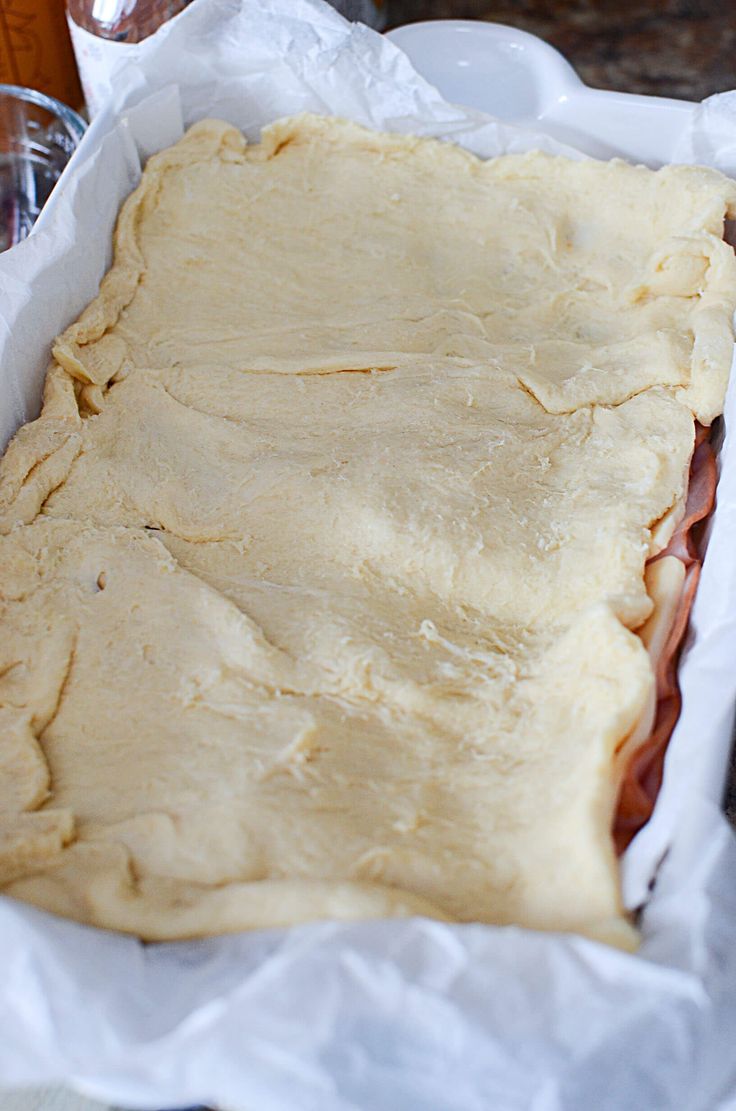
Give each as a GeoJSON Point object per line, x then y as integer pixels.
{"type": "Point", "coordinates": [401, 1015]}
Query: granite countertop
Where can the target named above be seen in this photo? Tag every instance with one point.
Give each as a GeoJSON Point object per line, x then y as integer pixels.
{"type": "Point", "coordinates": [675, 48]}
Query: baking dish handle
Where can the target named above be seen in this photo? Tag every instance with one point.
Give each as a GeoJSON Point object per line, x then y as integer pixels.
{"type": "Point", "coordinates": [519, 78]}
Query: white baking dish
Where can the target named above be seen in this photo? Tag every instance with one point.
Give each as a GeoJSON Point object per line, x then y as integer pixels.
{"type": "Point", "coordinates": [402, 1014]}
{"type": "Point", "coordinates": [523, 80]}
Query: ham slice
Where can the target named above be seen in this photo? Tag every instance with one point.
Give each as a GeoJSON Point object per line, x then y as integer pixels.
{"type": "Point", "coordinates": [643, 775]}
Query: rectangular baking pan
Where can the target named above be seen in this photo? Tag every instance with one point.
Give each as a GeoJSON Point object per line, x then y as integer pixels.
{"type": "Point", "coordinates": [521, 80]}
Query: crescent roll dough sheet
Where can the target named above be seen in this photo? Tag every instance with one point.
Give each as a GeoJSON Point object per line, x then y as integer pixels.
{"type": "Point", "coordinates": [322, 567]}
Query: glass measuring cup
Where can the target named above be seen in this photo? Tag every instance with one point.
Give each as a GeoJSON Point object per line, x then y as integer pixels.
{"type": "Point", "coordinates": [38, 136]}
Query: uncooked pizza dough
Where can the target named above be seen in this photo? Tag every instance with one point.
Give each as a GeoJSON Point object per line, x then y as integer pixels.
{"type": "Point", "coordinates": [322, 565]}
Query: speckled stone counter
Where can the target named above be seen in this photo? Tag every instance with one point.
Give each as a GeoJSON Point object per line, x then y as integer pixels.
{"type": "Point", "coordinates": [661, 48]}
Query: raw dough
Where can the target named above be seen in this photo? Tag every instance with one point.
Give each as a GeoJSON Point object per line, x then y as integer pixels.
{"type": "Point", "coordinates": [321, 565]}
